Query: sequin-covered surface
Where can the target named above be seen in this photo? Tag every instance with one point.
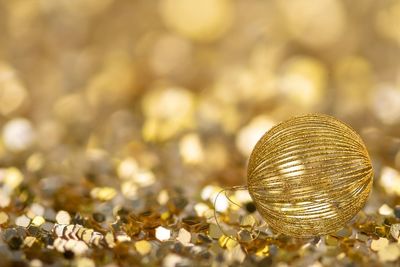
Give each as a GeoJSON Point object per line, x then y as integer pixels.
{"type": "Point", "coordinates": [121, 121]}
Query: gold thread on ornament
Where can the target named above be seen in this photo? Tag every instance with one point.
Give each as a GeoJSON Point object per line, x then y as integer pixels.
{"type": "Point", "coordinates": [309, 175]}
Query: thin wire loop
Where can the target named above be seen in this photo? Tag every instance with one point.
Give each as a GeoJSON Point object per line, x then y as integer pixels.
{"type": "Point", "coordinates": [225, 190]}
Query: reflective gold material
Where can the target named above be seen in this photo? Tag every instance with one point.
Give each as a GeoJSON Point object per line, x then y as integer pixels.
{"type": "Point", "coordinates": [121, 122]}
{"type": "Point", "coordinates": [309, 175]}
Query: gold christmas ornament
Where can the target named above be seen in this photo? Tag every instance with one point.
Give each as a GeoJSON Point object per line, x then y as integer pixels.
{"type": "Point", "coordinates": [309, 175]}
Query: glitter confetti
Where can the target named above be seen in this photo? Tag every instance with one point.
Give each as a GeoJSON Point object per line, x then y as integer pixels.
{"type": "Point", "coordinates": [104, 193]}
{"type": "Point", "coordinates": [63, 217]}
{"type": "Point", "coordinates": [143, 247]}
{"type": "Point", "coordinates": [162, 233]}
{"type": "Point", "coordinates": [379, 244]}
{"type": "Point", "coordinates": [184, 236]}
{"type": "Point", "coordinates": [3, 217]}
{"type": "Point", "coordinates": [390, 253]}
{"type": "Point", "coordinates": [22, 221]}
{"type": "Point", "coordinates": [38, 221]}
{"type": "Point", "coordinates": [395, 231]}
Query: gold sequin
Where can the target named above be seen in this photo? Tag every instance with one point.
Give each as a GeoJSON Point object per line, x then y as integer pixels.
{"type": "Point", "coordinates": [143, 247]}
{"type": "Point", "coordinates": [3, 217]}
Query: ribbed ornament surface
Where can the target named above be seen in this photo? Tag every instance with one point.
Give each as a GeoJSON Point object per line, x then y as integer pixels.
{"type": "Point", "coordinates": [309, 175]}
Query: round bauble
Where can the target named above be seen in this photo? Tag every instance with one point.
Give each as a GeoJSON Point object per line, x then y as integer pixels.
{"type": "Point", "coordinates": [309, 175]}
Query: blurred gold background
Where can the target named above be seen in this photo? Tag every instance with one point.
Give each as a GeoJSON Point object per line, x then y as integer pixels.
{"type": "Point", "coordinates": [177, 92]}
